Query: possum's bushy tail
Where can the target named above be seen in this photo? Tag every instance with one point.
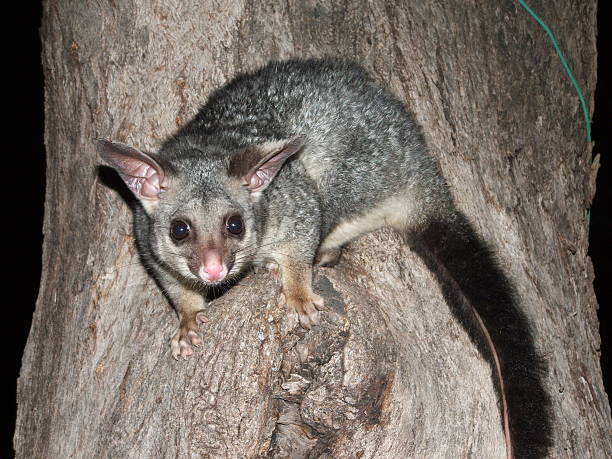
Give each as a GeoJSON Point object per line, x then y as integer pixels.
{"type": "Point", "coordinates": [483, 300]}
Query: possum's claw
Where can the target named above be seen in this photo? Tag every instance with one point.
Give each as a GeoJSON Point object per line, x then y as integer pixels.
{"type": "Point", "coordinates": [307, 309]}
{"type": "Point", "coordinates": [187, 336]}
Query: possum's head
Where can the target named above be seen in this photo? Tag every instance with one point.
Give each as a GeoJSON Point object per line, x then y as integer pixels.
{"type": "Point", "coordinates": [201, 205]}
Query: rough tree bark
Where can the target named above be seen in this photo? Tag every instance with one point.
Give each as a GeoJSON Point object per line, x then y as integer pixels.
{"type": "Point", "coordinates": [389, 373]}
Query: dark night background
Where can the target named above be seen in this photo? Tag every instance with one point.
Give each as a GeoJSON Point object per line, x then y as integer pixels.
{"type": "Point", "coordinates": [25, 191]}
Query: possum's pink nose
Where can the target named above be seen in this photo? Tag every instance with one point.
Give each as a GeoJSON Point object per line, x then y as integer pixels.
{"type": "Point", "coordinates": [212, 271]}
{"type": "Point", "coordinates": [212, 268]}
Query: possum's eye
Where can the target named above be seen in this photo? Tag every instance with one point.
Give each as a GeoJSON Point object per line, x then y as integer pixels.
{"type": "Point", "coordinates": [234, 225]}
{"type": "Point", "coordinates": [179, 230]}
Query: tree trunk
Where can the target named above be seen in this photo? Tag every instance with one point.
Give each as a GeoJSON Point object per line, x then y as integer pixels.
{"type": "Point", "coordinates": [389, 373]}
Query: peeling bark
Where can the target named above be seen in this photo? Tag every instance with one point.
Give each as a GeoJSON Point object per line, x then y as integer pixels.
{"type": "Point", "coordinates": [389, 372]}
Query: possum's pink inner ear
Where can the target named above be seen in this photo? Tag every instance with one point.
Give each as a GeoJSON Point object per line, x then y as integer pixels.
{"type": "Point", "coordinates": [140, 172]}
{"type": "Point", "coordinates": [258, 166]}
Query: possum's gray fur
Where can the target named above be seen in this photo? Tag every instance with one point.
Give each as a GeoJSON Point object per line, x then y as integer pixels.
{"type": "Point", "coordinates": [282, 167]}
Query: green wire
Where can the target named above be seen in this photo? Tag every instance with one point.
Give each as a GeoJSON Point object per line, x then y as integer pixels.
{"type": "Point", "coordinates": [573, 80]}
{"type": "Point", "coordinates": [567, 69]}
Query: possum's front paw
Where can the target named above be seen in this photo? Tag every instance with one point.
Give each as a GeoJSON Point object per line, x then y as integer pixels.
{"type": "Point", "coordinates": [306, 307]}
{"type": "Point", "coordinates": [187, 336]}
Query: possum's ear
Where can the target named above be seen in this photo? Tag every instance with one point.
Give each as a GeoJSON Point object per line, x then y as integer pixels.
{"type": "Point", "coordinates": [257, 166]}
{"type": "Point", "coordinates": [143, 175]}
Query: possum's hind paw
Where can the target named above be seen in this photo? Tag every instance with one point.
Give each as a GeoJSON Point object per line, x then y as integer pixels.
{"type": "Point", "coordinates": [187, 336]}
{"type": "Point", "coordinates": [328, 257]}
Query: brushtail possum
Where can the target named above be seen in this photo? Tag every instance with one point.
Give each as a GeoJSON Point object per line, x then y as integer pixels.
{"type": "Point", "coordinates": [283, 167]}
